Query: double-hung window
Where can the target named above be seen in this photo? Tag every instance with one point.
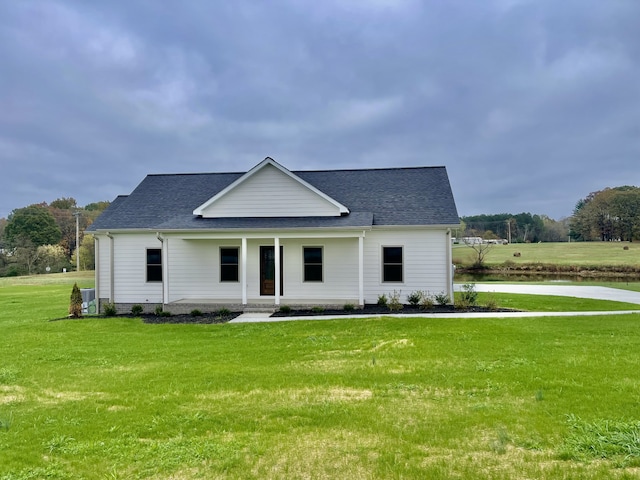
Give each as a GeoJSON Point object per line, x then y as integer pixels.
{"type": "Point", "coordinates": [312, 257]}
{"type": "Point", "coordinates": [392, 264]}
{"type": "Point", "coordinates": [154, 265]}
{"type": "Point", "coordinates": [229, 264]}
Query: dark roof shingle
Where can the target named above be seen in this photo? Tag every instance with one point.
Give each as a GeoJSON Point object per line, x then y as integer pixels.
{"type": "Point", "coordinates": [391, 196]}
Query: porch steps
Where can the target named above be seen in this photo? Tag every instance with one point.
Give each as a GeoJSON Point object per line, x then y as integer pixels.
{"type": "Point", "coordinates": [259, 309]}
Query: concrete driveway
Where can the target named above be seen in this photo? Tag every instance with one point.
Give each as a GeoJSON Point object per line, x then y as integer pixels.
{"type": "Point", "coordinates": [598, 293]}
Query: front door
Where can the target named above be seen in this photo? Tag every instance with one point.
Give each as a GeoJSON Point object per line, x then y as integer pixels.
{"type": "Point", "coordinates": [268, 270]}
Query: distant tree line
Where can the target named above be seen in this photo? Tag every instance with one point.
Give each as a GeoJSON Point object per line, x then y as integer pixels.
{"type": "Point", "coordinates": [516, 228]}
{"type": "Point", "coordinates": [42, 237]}
{"type": "Point", "coordinates": [612, 214]}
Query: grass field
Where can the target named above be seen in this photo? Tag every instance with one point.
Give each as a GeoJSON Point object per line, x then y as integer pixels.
{"type": "Point", "coordinates": [380, 398]}
{"type": "Point", "coordinates": [581, 253]}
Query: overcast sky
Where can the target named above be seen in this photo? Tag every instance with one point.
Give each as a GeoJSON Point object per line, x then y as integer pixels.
{"type": "Point", "coordinates": [531, 105]}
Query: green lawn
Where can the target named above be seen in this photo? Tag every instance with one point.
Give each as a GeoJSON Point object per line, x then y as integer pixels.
{"type": "Point", "coordinates": [380, 398]}
{"type": "Point", "coordinates": [579, 253]}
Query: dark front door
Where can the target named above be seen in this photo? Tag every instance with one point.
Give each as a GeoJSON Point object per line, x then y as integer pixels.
{"type": "Point", "coordinates": [268, 270]}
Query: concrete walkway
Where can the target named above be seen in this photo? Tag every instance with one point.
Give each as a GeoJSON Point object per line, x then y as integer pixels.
{"type": "Point", "coordinates": [598, 293]}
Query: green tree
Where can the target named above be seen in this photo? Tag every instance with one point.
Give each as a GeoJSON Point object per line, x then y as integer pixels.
{"type": "Point", "coordinates": [64, 203]}
{"type": "Point", "coordinates": [87, 253]}
{"type": "Point", "coordinates": [33, 224]}
{"type": "Point", "coordinates": [609, 214]}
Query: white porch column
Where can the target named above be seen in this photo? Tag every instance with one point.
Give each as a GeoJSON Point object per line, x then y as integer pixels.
{"type": "Point", "coordinates": [276, 251]}
{"type": "Point", "coordinates": [361, 269]}
{"type": "Point", "coordinates": [243, 274]}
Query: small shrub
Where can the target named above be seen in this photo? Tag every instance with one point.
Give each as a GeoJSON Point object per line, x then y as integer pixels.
{"type": "Point", "coordinates": [165, 313]}
{"type": "Point", "coordinates": [317, 309]}
{"type": "Point", "coordinates": [136, 310]}
{"type": "Point", "coordinates": [426, 301]}
{"type": "Point", "coordinates": [224, 312]}
{"type": "Point", "coordinates": [491, 303]}
{"type": "Point", "coordinates": [414, 298]}
{"type": "Point", "coordinates": [395, 304]}
{"type": "Point", "coordinates": [196, 313]}
{"type": "Point", "coordinates": [442, 298]}
{"type": "Point", "coordinates": [469, 296]}
{"type": "Point", "coordinates": [109, 309]}
{"type": "Point", "coordinates": [285, 309]}
{"type": "Point", "coordinates": [382, 300]}
{"type": "Point", "coordinates": [159, 310]}
{"type": "Point", "coordinates": [75, 305]}
{"type": "Point", "coordinates": [349, 307]}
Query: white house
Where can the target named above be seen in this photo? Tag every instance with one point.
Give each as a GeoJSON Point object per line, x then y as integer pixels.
{"type": "Point", "coordinates": [272, 237]}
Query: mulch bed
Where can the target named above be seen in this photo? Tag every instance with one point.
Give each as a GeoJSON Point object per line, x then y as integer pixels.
{"type": "Point", "coordinates": [369, 309]}
{"type": "Point", "coordinates": [373, 309]}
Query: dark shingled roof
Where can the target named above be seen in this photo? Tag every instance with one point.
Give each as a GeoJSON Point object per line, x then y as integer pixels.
{"type": "Point", "coordinates": [389, 196]}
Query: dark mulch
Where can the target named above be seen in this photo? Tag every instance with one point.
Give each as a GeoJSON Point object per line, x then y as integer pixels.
{"type": "Point", "coordinates": [373, 309]}
{"type": "Point", "coordinates": [205, 318]}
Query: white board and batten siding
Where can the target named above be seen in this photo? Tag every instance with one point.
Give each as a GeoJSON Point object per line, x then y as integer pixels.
{"type": "Point", "coordinates": [424, 260]}
{"type": "Point", "coordinates": [270, 193]}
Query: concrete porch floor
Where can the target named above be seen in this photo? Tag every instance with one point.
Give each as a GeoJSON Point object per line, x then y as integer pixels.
{"type": "Point", "coordinates": [261, 304]}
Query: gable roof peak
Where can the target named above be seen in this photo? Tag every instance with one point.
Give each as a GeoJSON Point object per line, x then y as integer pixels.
{"type": "Point", "coordinates": [268, 161]}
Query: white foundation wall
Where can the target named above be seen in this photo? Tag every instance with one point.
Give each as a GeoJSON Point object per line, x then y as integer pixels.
{"type": "Point", "coordinates": [130, 269]}
{"type": "Point", "coordinates": [424, 259]}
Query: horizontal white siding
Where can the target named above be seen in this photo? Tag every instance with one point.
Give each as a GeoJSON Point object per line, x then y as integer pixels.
{"type": "Point", "coordinates": [193, 267]}
{"type": "Point", "coordinates": [340, 270]}
{"type": "Point", "coordinates": [424, 258]}
{"type": "Point", "coordinates": [270, 193]}
{"type": "Point", "coordinates": [130, 268]}
{"type": "Point", "coordinates": [103, 267]}
{"type": "Point", "coordinates": [194, 270]}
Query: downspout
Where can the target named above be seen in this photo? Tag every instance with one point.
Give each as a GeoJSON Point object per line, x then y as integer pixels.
{"type": "Point", "coordinates": [111, 272]}
{"type": "Point", "coordinates": [164, 265]}
{"type": "Point", "coordinates": [449, 266]}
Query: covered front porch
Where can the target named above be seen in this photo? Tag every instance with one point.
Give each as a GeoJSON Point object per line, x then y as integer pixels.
{"type": "Point", "coordinates": [261, 271]}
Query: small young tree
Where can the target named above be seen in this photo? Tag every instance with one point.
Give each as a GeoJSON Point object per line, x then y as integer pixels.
{"type": "Point", "coordinates": [75, 306]}
{"type": "Point", "coordinates": [481, 249]}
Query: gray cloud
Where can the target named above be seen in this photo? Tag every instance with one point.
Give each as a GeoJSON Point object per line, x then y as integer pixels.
{"type": "Point", "coordinates": [530, 105]}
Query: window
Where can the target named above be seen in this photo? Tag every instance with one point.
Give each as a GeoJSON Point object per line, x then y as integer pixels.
{"type": "Point", "coordinates": [154, 265]}
{"type": "Point", "coordinates": [392, 264]}
{"type": "Point", "coordinates": [312, 264]}
{"type": "Point", "coordinates": [229, 264]}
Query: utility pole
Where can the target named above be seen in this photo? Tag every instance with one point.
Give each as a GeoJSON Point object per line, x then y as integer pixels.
{"type": "Point", "coordinates": [77, 215]}
{"type": "Point", "coordinates": [509, 225]}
